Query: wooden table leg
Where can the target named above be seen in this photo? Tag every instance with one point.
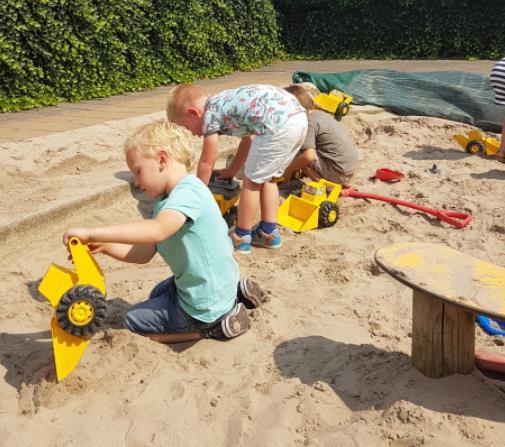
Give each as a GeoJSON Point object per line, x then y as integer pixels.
{"type": "Point", "coordinates": [443, 337]}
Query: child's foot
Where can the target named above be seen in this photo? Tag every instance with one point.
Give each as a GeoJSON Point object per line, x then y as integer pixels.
{"type": "Point", "coordinates": [249, 293]}
{"type": "Point", "coordinates": [236, 323]}
{"type": "Point", "coordinates": [242, 244]}
{"type": "Point", "coordinates": [500, 155]}
{"type": "Point", "coordinates": [267, 240]}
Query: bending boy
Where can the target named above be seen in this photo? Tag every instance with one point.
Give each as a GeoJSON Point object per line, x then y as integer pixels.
{"type": "Point", "coordinates": [272, 125]}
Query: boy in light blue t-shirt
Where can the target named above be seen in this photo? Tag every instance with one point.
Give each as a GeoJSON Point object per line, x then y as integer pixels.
{"type": "Point", "coordinates": [188, 231]}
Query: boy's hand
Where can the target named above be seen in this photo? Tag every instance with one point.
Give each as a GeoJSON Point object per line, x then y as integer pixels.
{"type": "Point", "coordinates": [224, 173]}
{"type": "Point", "coordinates": [84, 235]}
{"type": "Point", "coordinates": [98, 247]}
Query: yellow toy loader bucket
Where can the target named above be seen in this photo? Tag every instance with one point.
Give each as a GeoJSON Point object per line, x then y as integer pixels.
{"type": "Point", "coordinates": [82, 313]}
{"type": "Point", "coordinates": [298, 215]}
{"type": "Point", "coordinates": [476, 142]}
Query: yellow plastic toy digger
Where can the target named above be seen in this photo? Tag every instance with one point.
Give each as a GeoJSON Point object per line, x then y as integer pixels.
{"type": "Point", "coordinates": [78, 298]}
{"type": "Point", "coordinates": [476, 143]}
{"type": "Point", "coordinates": [226, 193]}
{"type": "Point", "coordinates": [335, 102]}
{"type": "Point", "coordinates": [316, 207]}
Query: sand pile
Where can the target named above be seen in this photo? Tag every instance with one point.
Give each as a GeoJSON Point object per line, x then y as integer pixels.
{"type": "Point", "coordinates": [327, 361]}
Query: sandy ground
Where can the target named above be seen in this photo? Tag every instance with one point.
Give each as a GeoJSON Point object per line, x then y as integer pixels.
{"type": "Point", "coordinates": [327, 362]}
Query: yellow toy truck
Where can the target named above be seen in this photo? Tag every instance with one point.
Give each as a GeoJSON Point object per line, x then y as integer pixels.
{"type": "Point", "coordinates": [78, 298]}
{"type": "Point", "coordinates": [476, 143]}
{"type": "Point", "coordinates": [315, 208]}
{"type": "Point", "coordinates": [226, 193]}
{"type": "Point", "coordinates": [335, 102]}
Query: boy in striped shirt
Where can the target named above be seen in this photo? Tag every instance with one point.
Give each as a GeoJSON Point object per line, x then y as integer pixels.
{"type": "Point", "coordinates": [497, 78]}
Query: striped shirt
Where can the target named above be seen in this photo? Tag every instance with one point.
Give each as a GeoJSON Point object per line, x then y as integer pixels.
{"type": "Point", "coordinates": [497, 78]}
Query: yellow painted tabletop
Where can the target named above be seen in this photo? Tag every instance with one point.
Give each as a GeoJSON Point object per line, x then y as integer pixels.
{"type": "Point", "coordinates": [448, 274]}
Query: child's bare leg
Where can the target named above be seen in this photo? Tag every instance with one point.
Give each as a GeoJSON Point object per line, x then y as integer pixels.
{"type": "Point", "coordinates": [175, 338]}
{"type": "Point", "coordinates": [301, 161]}
{"type": "Point", "coordinates": [267, 235]}
{"type": "Point", "coordinates": [269, 200]}
{"type": "Point", "coordinates": [249, 198]}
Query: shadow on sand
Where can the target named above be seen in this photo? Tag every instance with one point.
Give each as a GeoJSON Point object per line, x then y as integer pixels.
{"type": "Point", "coordinates": [28, 357]}
{"type": "Point", "coordinates": [145, 203]}
{"type": "Point", "coordinates": [366, 377]}
{"type": "Point", "coordinates": [492, 174]}
{"type": "Point", "coordinates": [433, 153]}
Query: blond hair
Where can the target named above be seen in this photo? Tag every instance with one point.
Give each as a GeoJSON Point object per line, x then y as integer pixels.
{"type": "Point", "coordinates": [181, 97]}
{"type": "Point", "coordinates": [303, 96]}
{"type": "Point", "coordinates": [152, 138]}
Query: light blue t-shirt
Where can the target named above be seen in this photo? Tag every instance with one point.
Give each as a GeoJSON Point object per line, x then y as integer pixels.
{"type": "Point", "coordinates": [249, 110]}
{"type": "Point", "coordinates": [200, 254]}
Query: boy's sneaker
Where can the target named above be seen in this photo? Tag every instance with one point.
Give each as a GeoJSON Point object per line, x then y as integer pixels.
{"type": "Point", "coordinates": [262, 239]}
{"type": "Point", "coordinates": [236, 323]}
{"type": "Point", "coordinates": [249, 293]}
{"type": "Point", "coordinates": [242, 244]}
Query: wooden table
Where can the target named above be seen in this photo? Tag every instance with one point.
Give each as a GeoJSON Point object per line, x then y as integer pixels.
{"type": "Point", "coordinates": [449, 288]}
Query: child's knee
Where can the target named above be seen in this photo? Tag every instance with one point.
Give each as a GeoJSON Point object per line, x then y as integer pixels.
{"type": "Point", "coordinates": [136, 320]}
{"type": "Point", "coordinates": [130, 321]}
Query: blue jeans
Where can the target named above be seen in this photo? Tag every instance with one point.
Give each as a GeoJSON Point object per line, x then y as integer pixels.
{"type": "Point", "coordinates": [162, 313]}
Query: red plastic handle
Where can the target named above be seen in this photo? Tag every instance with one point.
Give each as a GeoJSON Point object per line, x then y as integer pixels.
{"type": "Point", "coordinates": [454, 218]}
{"type": "Point", "coordinates": [458, 220]}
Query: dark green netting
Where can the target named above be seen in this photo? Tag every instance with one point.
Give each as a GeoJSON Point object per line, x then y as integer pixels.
{"type": "Point", "coordinates": [454, 95]}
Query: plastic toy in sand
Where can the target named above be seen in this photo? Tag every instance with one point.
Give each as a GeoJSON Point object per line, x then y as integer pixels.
{"type": "Point", "coordinates": [491, 326]}
{"type": "Point", "coordinates": [387, 175]}
{"type": "Point", "coordinates": [477, 143]}
{"type": "Point", "coordinates": [78, 297]}
{"type": "Point", "coordinates": [335, 102]}
{"type": "Point", "coordinates": [226, 193]}
{"type": "Point", "coordinates": [315, 208]}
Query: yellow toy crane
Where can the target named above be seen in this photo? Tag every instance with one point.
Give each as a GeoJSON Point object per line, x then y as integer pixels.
{"type": "Point", "coordinates": [335, 102]}
{"type": "Point", "coordinates": [78, 298]}
{"type": "Point", "coordinates": [476, 143]}
{"type": "Point", "coordinates": [316, 207]}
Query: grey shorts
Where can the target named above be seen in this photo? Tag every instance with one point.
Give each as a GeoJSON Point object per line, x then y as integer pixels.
{"type": "Point", "coordinates": [328, 172]}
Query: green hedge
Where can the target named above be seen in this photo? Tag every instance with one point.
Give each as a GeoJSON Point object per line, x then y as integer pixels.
{"type": "Point", "coordinates": [405, 29]}
{"type": "Point", "coordinates": [55, 50]}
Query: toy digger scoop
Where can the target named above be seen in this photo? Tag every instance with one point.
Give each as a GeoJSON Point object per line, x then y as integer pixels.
{"type": "Point", "coordinates": [315, 208]}
{"type": "Point", "coordinates": [78, 298]}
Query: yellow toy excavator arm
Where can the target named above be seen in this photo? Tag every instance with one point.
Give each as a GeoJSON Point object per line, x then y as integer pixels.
{"type": "Point", "coordinates": [88, 271]}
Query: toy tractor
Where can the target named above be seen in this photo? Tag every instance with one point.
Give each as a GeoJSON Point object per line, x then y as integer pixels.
{"type": "Point", "coordinates": [315, 208]}
{"type": "Point", "coordinates": [476, 143]}
{"type": "Point", "coordinates": [78, 298]}
{"type": "Point", "coordinates": [335, 102]}
{"type": "Point", "coordinates": [226, 193]}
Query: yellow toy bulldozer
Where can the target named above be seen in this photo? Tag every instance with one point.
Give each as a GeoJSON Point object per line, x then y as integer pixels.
{"type": "Point", "coordinates": [316, 207]}
{"type": "Point", "coordinates": [226, 193]}
{"type": "Point", "coordinates": [335, 102]}
{"type": "Point", "coordinates": [78, 298]}
{"type": "Point", "coordinates": [476, 143]}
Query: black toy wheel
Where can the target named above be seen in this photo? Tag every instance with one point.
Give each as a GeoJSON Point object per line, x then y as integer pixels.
{"type": "Point", "coordinates": [231, 216]}
{"type": "Point", "coordinates": [81, 310]}
{"type": "Point", "coordinates": [474, 147]}
{"type": "Point", "coordinates": [342, 110]}
{"type": "Point", "coordinates": [328, 214]}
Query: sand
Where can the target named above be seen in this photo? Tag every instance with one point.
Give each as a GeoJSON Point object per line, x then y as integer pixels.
{"type": "Point", "coordinates": [327, 361]}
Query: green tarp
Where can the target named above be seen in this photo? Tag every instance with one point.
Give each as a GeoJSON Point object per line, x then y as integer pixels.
{"type": "Point", "coordinates": [454, 95]}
